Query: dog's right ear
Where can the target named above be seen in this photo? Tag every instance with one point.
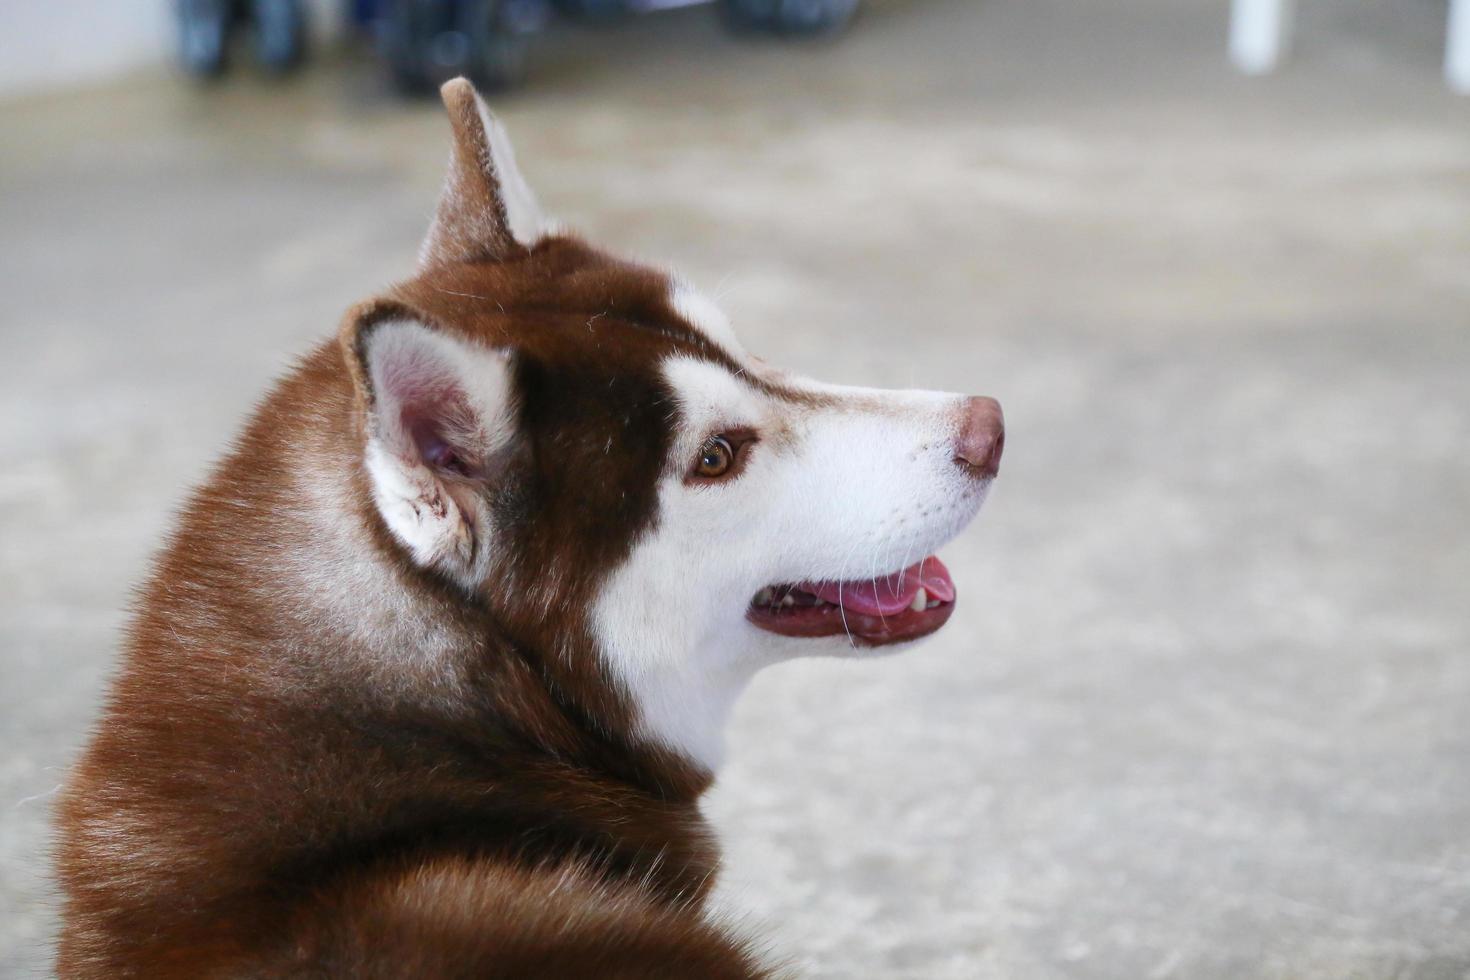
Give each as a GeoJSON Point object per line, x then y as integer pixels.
{"type": "Point", "coordinates": [487, 210]}
{"type": "Point", "coordinates": [438, 414]}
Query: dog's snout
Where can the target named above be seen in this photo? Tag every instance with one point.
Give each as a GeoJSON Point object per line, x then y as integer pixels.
{"type": "Point", "coordinates": [982, 437]}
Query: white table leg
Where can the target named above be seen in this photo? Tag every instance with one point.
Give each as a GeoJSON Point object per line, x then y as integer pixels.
{"type": "Point", "coordinates": [1260, 33]}
{"type": "Point", "coordinates": [1457, 47]}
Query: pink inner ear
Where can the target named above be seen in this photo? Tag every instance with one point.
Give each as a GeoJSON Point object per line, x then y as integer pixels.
{"type": "Point", "coordinates": [436, 424]}
{"type": "Point", "coordinates": [434, 450]}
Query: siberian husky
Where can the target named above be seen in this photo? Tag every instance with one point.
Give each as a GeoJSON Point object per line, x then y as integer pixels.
{"type": "Point", "coordinates": [430, 676]}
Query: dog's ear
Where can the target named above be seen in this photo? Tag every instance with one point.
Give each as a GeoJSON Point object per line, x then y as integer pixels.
{"type": "Point", "coordinates": [486, 210]}
{"type": "Point", "coordinates": [438, 421]}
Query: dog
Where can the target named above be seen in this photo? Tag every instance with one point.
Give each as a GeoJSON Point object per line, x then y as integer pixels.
{"type": "Point", "coordinates": [429, 678]}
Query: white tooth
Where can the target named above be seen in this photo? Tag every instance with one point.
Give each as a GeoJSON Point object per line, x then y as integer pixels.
{"type": "Point", "coordinates": [820, 601]}
{"type": "Point", "coordinates": [788, 600]}
{"type": "Point", "coordinates": [763, 597]}
{"type": "Point", "coordinates": [921, 600]}
{"type": "Point", "coordinates": [933, 603]}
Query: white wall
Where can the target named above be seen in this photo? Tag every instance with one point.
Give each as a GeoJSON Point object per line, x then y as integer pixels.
{"type": "Point", "coordinates": [52, 43]}
{"type": "Point", "coordinates": [47, 44]}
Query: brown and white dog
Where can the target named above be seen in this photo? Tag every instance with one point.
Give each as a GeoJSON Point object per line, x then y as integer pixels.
{"type": "Point", "coordinates": [429, 679]}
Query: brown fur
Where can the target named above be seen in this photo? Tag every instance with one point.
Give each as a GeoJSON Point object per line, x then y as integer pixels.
{"type": "Point", "coordinates": [276, 789]}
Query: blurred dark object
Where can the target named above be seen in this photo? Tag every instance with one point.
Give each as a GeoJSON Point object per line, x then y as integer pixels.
{"type": "Point", "coordinates": [430, 41]}
{"type": "Point", "coordinates": [790, 16]}
{"type": "Point", "coordinates": [206, 28]}
{"type": "Point", "coordinates": [427, 42]}
{"type": "Point", "coordinates": [593, 10]}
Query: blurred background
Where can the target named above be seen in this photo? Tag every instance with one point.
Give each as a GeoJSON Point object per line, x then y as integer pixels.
{"type": "Point", "coordinates": [1204, 710]}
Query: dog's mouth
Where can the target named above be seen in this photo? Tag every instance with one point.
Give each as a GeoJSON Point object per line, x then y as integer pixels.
{"type": "Point", "coordinates": [872, 612]}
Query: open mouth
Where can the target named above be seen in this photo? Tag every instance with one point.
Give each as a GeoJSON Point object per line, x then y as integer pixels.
{"type": "Point", "coordinates": [877, 611]}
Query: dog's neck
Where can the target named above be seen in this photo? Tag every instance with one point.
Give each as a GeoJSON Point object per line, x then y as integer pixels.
{"type": "Point", "coordinates": [414, 636]}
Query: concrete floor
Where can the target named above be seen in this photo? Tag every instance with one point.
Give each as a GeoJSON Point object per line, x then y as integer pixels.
{"type": "Point", "coordinates": [1205, 708]}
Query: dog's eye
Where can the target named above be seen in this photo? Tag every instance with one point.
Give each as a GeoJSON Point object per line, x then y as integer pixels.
{"type": "Point", "coordinates": [715, 458]}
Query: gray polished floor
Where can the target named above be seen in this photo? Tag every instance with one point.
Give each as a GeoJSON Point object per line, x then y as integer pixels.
{"type": "Point", "coordinates": [1204, 711]}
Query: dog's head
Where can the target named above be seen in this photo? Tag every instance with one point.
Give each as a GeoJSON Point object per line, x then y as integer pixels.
{"type": "Point", "coordinates": [582, 444]}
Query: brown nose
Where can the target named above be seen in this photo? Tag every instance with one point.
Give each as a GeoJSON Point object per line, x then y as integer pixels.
{"type": "Point", "coordinates": [982, 437]}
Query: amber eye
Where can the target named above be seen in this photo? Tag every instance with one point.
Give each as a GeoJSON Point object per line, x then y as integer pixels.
{"type": "Point", "coordinates": [715, 458]}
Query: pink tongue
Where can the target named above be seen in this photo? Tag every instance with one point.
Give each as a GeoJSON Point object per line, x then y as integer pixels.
{"type": "Point", "coordinates": [889, 594]}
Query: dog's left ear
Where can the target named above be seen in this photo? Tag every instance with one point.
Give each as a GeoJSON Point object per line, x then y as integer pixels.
{"type": "Point", "coordinates": [438, 423]}
{"type": "Point", "coordinates": [487, 210]}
